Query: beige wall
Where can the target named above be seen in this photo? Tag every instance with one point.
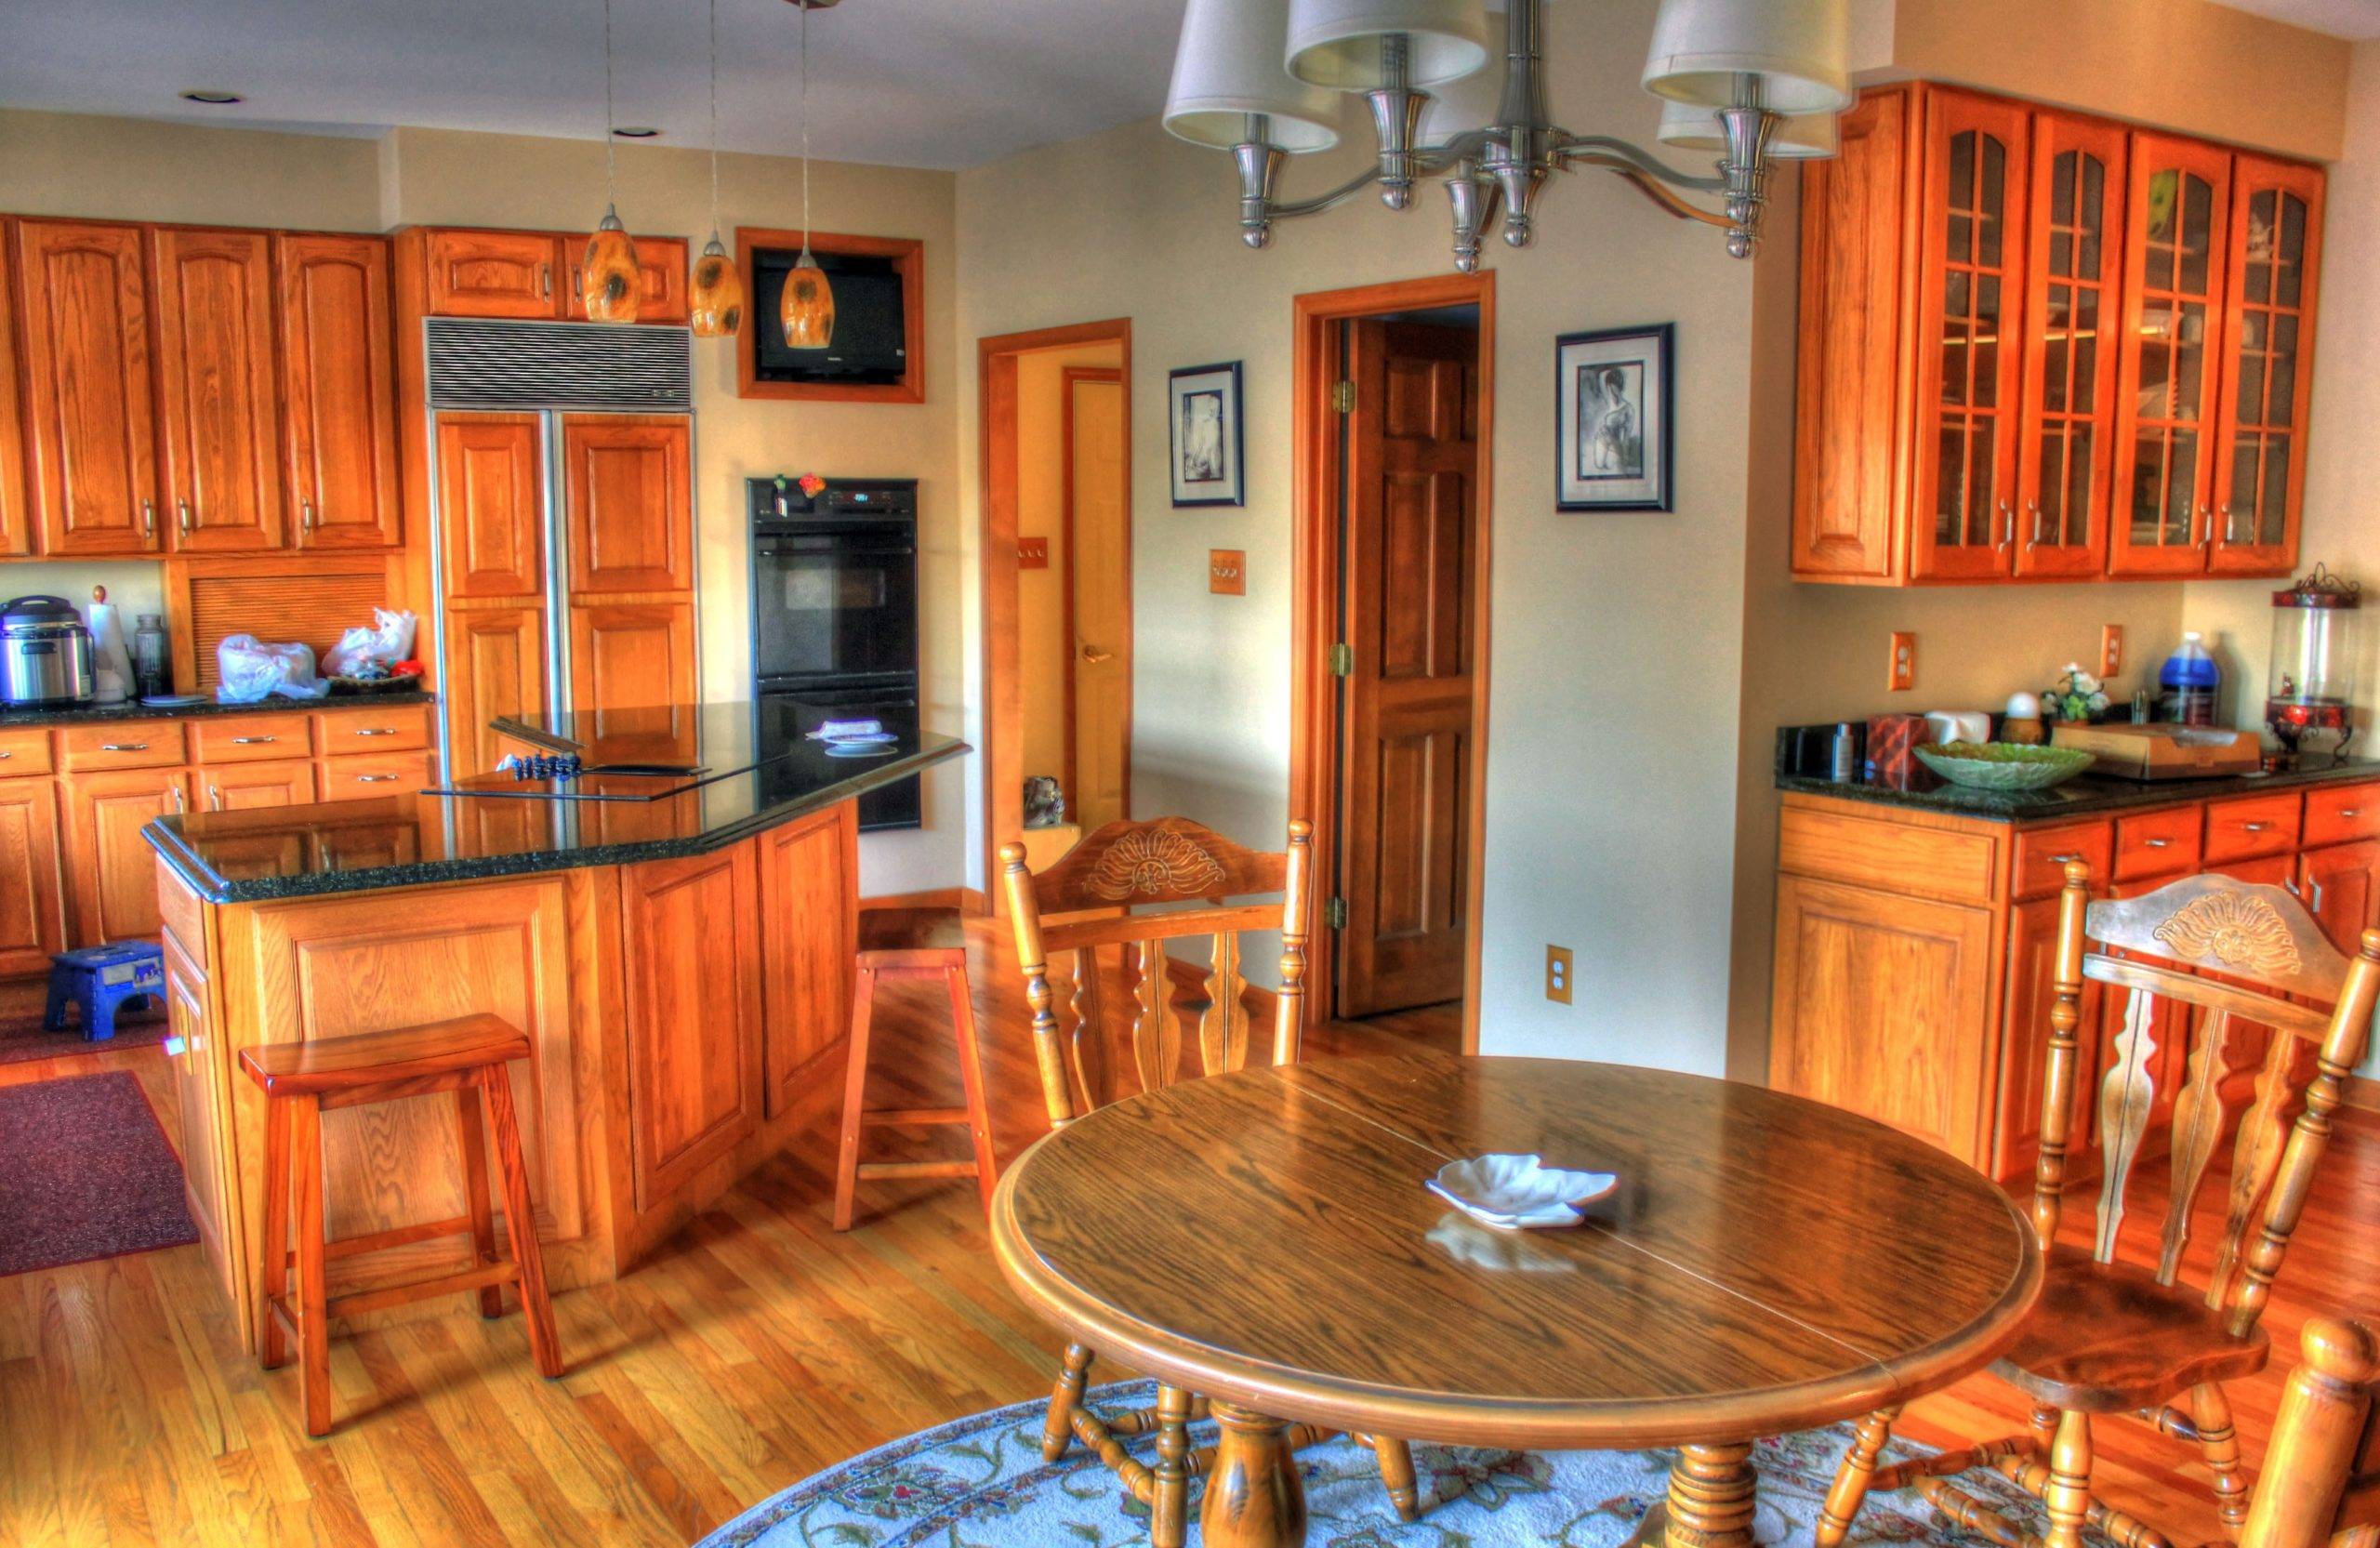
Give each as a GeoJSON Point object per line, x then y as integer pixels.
{"type": "Point", "coordinates": [56, 163]}
{"type": "Point", "coordinates": [1045, 647]}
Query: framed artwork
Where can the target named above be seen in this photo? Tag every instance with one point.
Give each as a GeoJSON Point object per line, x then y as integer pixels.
{"type": "Point", "coordinates": [1612, 398]}
{"type": "Point", "coordinates": [1204, 401]}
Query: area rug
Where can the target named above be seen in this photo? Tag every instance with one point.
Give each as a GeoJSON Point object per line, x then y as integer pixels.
{"type": "Point", "coordinates": [22, 1036]}
{"type": "Point", "coordinates": [85, 1172]}
{"type": "Point", "coordinates": [980, 1481]}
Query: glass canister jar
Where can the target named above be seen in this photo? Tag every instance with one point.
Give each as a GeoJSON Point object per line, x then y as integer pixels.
{"type": "Point", "coordinates": [2315, 637]}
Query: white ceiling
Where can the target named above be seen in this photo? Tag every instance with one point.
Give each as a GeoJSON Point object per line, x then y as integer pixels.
{"type": "Point", "coordinates": [915, 83]}
{"type": "Point", "coordinates": [2351, 19]}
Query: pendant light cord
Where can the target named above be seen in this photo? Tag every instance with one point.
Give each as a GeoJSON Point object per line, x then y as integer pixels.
{"type": "Point", "coordinates": [714, 120]}
{"type": "Point", "coordinates": [610, 140]}
{"type": "Point", "coordinates": [805, 126]}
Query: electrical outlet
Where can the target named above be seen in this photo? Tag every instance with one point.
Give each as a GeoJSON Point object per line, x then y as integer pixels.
{"type": "Point", "coordinates": [1557, 974]}
{"type": "Point", "coordinates": [1904, 663]}
{"type": "Point", "coordinates": [2111, 650]}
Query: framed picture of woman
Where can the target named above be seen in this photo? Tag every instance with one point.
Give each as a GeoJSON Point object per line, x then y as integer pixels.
{"type": "Point", "coordinates": [1204, 403]}
{"type": "Point", "coordinates": [1612, 432]}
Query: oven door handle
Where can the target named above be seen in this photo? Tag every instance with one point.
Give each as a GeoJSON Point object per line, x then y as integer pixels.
{"type": "Point", "coordinates": [856, 551]}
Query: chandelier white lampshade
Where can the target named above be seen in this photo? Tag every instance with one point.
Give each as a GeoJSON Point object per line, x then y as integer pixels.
{"type": "Point", "coordinates": [1228, 65]}
{"type": "Point", "coordinates": [1797, 52]}
{"type": "Point", "coordinates": [1458, 107]}
{"type": "Point", "coordinates": [1685, 127]}
{"type": "Point", "coordinates": [1340, 44]}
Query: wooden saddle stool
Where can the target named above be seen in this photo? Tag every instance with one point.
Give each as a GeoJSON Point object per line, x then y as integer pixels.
{"type": "Point", "coordinates": [917, 943]}
{"type": "Point", "coordinates": [2216, 968]}
{"type": "Point", "coordinates": [1097, 884]}
{"type": "Point", "coordinates": [466, 1056]}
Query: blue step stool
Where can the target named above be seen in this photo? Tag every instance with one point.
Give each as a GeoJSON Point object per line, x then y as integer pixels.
{"type": "Point", "coordinates": [102, 980]}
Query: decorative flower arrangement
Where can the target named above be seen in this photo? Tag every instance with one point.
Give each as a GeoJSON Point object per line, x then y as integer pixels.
{"type": "Point", "coordinates": [811, 483]}
{"type": "Point", "coordinates": [2076, 695]}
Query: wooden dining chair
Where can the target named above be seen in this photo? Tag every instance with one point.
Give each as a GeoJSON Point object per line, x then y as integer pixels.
{"type": "Point", "coordinates": [1125, 865]}
{"type": "Point", "coordinates": [2319, 1486]}
{"type": "Point", "coordinates": [2110, 1337]}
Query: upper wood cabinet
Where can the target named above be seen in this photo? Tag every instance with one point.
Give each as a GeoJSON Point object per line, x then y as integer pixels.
{"type": "Point", "coordinates": [88, 395]}
{"type": "Point", "coordinates": [340, 391]}
{"type": "Point", "coordinates": [2039, 346]}
{"type": "Point", "coordinates": [628, 496]}
{"type": "Point", "coordinates": [217, 399]}
{"type": "Point", "coordinates": [661, 268]}
{"type": "Point", "coordinates": [15, 500]}
{"type": "Point", "coordinates": [476, 273]}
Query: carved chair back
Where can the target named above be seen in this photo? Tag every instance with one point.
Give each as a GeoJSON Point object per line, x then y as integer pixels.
{"type": "Point", "coordinates": [1184, 875]}
{"type": "Point", "coordinates": [2321, 1483]}
{"type": "Point", "coordinates": [2274, 967]}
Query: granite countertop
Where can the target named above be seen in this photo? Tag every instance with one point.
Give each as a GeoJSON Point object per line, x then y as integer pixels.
{"type": "Point", "coordinates": [2080, 796]}
{"type": "Point", "coordinates": [133, 710]}
{"type": "Point", "coordinates": [507, 828]}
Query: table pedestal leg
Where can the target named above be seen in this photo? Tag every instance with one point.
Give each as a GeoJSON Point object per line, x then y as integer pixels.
{"type": "Point", "coordinates": [1254, 1497]}
{"type": "Point", "coordinates": [1710, 1502]}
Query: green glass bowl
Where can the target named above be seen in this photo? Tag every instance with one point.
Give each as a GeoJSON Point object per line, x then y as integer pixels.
{"type": "Point", "coordinates": [2004, 766]}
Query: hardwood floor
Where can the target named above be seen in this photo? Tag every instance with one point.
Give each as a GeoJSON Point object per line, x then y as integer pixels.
{"type": "Point", "coordinates": [757, 1348]}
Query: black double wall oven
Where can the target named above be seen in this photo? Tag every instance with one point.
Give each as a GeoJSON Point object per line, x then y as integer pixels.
{"type": "Point", "coordinates": [835, 618]}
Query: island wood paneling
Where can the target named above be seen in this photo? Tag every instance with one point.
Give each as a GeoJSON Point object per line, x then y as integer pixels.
{"type": "Point", "coordinates": [201, 1072]}
{"type": "Point", "coordinates": [808, 933]}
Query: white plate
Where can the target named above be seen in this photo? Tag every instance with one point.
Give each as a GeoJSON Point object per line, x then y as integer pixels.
{"type": "Point", "coordinates": [867, 740]}
{"type": "Point", "coordinates": [1519, 1193]}
{"type": "Point", "coordinates": [839, 750]}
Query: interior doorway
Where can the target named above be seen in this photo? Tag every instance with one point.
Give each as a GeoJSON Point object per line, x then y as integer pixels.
{"type": "Point", "coordinates": [1394, 415]}
{"type": "Point", "coordinates": [1056, 418]}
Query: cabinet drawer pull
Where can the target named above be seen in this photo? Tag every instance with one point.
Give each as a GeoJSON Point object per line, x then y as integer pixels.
{"type": "Point", "coordinates": [374, 779]}
{"type": "Point", "coordinates": [2064, 859]}
{"type": "Point", "coordinates": [252, 741]}
{"type": "Point", "coordinates": [124, 746]}
{"type": "Point", "coordinates": [2254, 827]}
{"type": "Point", "coordinates": [2318, 898]}
{"type": "Point", "coordinates": [544, 279]}
{"type": "Point", "coordinates": [2158, 844]}
{"type": "Point", "coordinates": [306, 514]}
{"type": "Point", "coordinates": [182, 509]}
{"type": "Point", "coordinates": [5, 756]}
{"type": "Point", "coordinates": [2350, 810]}
{"type": "Point", "coordinates": [215, 797]}
{"type": "Point", "coordinates": [375, 731]}
{"type": "Point", "coordinates": [181, 799]}
{"type": "Point", "coordinates": [148, 518]}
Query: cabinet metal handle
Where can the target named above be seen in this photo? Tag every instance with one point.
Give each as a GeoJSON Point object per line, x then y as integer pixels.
{"type": "Point", "coordinates": [2064, 859]}
{"type": "Point", "coordinates": [2033, 508]}
{"type": "Point", "coordinates": [148, 518]}
{"type": "Point", "coordinates": [2207, 521]}
{"type": "Point", "coordinates": [215, 797]}
{"type": "Point", "coordinates": [374, 779]}
{"type": "Point", "coordinates": [375, 731]}
{"type": "Point", "coordinates": [306, 514]}
{"type": "Point", "coordinates": [2318, 898]}
{"type": "Point", "coordinates": [544, 279]}
{"type": "Point", "coordinates": [182, 514]}
{"type": "Point", "coordinates": [2158, 844]}
{"type": "Point", "coordinates": [124, 746]}
{"type": "Point", "coordinates": [252, 741]}
{"type": "Point", "coordinates": [181, 799]}
{"type": "Point", "coordinates": [2344, 811]}
{"type": "Point", "coordinates": [5, 756]}
{"type": "Point", "coordinates": [2007, 523]}
{"type": "Point", "coordinates": [2254, 827]}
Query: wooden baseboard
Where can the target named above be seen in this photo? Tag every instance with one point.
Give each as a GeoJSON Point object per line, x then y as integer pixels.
{"type": "Point", "coordinates": [967, 900]}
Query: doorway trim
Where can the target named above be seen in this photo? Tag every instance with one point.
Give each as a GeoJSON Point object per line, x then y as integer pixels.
{"type": "Point", "coordinates": [999, 679]}
{"type": "Point", "coordinates": [1317, 562]}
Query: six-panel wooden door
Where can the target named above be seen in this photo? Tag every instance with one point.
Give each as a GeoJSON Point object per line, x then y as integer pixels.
{"type": "Point", "coordinates": [339, 389]}
{"type": "Point", "coordinates": [88, 388]}
{"type": "Point", "coordinates": [217, 396]}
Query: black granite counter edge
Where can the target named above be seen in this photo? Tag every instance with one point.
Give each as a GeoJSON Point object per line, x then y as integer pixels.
{"type": "Point", "coordinates": [132, 709]}
{"type": "Point", "coordinates": [165, 837]}
{"type": "Point", "coordinates": [2077, 797]}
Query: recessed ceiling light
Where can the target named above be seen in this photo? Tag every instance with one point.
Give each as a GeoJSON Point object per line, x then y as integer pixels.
{"type": "Point", "coordinates": [213, 99]}
{"type": "Point", "coordinates": [637, 132]}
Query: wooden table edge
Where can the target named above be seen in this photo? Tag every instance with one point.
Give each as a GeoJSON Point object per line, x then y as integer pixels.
{"type": "Point", "coordinates": [1368, 1408]}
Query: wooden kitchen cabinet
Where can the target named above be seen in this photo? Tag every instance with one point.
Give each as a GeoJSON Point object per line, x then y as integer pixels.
{"type": "Point", "coordinates": [495, 666]}
{"type": "Point", "coordinates": [2341, 885]}
{"type": "Point", "coordinates": [16, 497]}
{"type": "Point", "coordinates": [238, 786]}
{"type": "Point", "coordinates": [33, 924]}
{"type": "Point", "coordinates": [2024, 1046]}
{"type": "Point", "coordinates": [488, 273]}
{"type": "Point", "coordinates": [491, 504]}
{"type": "Point", "coordinates": [115, 871]}
{"type": "Point", "coordinates": [693, 1013]}
{"type": "Point", "coordinates": [631, 669]}
{"type": "Point", "coordinates": [218, 393]}
{"type": "Point", "coordinates": [629, 503]}
{"type": "Point", "coordinates": [371, 775]}
{"type": "Point", "coordinates": [201, 1073]}
{"type": "Point", "coordinates": [88, 392]}
{"type": "Point", "coordinates": [809, 935]}
{"type": "Point", "coordinates": [2039, 346]}
{"type": "Point", "coordinates": [340, 391]}
{"type": "Point", "coordinates": [662, 266]}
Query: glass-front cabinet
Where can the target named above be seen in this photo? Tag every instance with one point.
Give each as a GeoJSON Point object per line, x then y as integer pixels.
{"type": "Point", "coordinates": [2073, 285]}
{"type": "Point", "coordinates": [2274, 249]}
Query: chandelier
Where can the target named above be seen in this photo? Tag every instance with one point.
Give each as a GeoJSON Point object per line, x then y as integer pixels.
{"type": "Point", "coordinates": [1756, 81]}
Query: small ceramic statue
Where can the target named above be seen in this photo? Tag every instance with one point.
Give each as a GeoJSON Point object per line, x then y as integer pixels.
{"type": "Point", "coordinates": [1045, 804]}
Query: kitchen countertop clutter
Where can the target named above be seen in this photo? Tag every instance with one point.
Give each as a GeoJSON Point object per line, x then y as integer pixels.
{"type": "Point", "coordinates": [2078, 798]}
{"type": "Point", "coordinates": [133, 710]}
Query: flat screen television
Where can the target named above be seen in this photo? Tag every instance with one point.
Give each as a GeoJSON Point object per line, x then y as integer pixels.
{"type": "Point", "coordinates": [870, 345]}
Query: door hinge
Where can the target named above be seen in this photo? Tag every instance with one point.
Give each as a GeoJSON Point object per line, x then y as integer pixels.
{"type": "Point", "coordinates": [1343, 661]}
{"type": "Point", "coordinates": [1342, 396]}
{"type": "Point", "coordinates": [1335, 912]}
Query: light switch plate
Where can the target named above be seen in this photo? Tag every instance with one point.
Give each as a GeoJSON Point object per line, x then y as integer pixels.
{"type": "Point", "coordinates": [1227, 571]}
{"type": "Point", "coordinates": [1904, 663]}
{"type": "Point", "coordinates": [1557, 974]}
{"type": "Point", "coordinates": [2111, 650]}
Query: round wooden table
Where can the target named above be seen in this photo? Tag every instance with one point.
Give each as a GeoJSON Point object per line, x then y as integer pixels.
{"type": "Point", "coordinates": [1768, 1264]}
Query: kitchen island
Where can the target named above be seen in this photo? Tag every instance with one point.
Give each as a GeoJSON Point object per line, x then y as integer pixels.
{"type": "Point", "coordinates": [677, 947]}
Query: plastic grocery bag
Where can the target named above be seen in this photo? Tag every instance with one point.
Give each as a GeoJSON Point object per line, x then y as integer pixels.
{"type": "Point", "coordinates": [388, 643]}
{"type": "Point", "coordinates": [251, 670]}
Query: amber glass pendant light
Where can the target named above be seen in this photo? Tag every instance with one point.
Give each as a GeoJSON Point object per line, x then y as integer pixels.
{"type": "Point", "coordinates": [807, 309]}
{"type": "Point", "coordinates": [716, 295]}
{"type": "Point", "coordinates": [607, 273]}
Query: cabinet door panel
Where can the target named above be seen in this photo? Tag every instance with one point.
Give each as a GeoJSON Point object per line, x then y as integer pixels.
{"type": "Point", "coordinates": [338, 377]}
{"type": "Point", "coordinates": [694, 1013]}
{"type": "Point", "coordinates": [218, 399]}
{"type": "Point", "coordinates": [632, 671]}
{"type": "Point", "coordinates": [1860, 970]}
{"type": "Point", "coordinates": [495, 666]}
{"type": "Point", "coordinates": [112, 869]}
{"type": "Point", "coordinates": [494, 274]}
{"type": "Point", "coordinates": [2024, 1049]}
{"type": "Point", "coordinates": [31, 924]}
{"type": "Point", "coordinates": [2342, 886]}
{"type": "Point", "coordinates": [1972, 274]}
{"type": "Point", "coordinates": [239, 786]}
{"type": "Point", "coordinates": [200, 1072]}
{"type": "Point", "coordinates": [16, 497]}
{"type": "Point", "coordinates": [661, 268]}
{"type": "Point", "coordinates": [372, 776]}
{"type": "Point", "coordinates": [2178, 206]}
{"type": "Point", "coordinates": [2073, 279]}
{"type": "Point", "coordinates": [84, 341]}
{"type": "Point", "coordinates": [809, 935]}
{"type": "Point", "coordinates": [628, 495]}
{"type": "Point", "coordinates": [491, 505]}
{"type": "Point", "coordinates": [2273, 254]}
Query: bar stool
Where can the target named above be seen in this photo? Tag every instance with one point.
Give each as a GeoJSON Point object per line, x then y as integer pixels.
{"type": "Point", "coordinates": [303, 1080]}
{"type": "Point", "coordinates": [911, 944]}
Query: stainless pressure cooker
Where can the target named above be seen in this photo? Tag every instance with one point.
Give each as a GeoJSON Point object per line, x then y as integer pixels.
{"type": "Point", "coordinates": [45, 653]}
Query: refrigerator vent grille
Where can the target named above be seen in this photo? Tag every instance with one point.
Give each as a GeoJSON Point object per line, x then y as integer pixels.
{"type": "Point", "coordinates": [485, 365]}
